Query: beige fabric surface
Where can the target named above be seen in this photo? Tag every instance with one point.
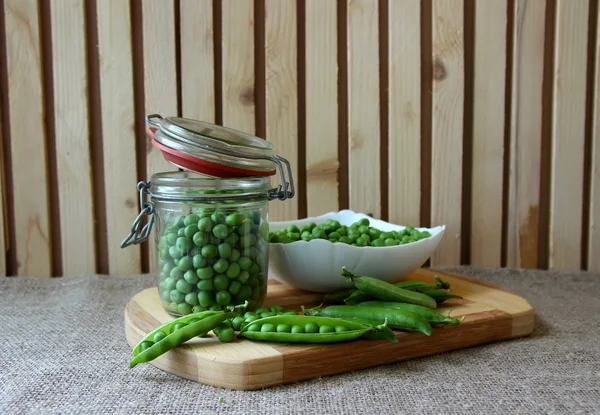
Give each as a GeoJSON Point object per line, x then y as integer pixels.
{"type": "Point", "coordinates": [64, 351]}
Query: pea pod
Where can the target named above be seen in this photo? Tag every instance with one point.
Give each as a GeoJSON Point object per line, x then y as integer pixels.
{"type": "Point", "coordinates": [440, 295]}
{"type": "Point", "coordinates": [338, 296]}
{"type": "Point", "coordinates": [167, 327]}
{"type": "Point", "coordinates": [421, 286]}
{"type": "Point", "coordinates": [432, 316]}
{"type": "Point", "coordinates": [396, 319]}
{"type": "Point", "coordinates": [388, 292]}
{"type": "Point", "coordinates": [206, 322]}
{"type": "Point", "coordinates": [323, 329]}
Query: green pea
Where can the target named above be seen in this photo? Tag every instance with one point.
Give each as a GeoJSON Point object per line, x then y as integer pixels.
{"type": "Point", "coordinates": [198, 261]}
{"type": "Point", "coordinates": [244, 263]}
{"type": "Point", "coordinates": [184, 263]}
{"type": "Point", "coordinates": [237, 322]}
{"type": "Point", "coordinates": [378, 242]}
{"type": "Point", "coordinates": [386, 235]}
{"type": "Point", "coordinates": [339, 329]}
{"type": "Point", "coordinates": [171, 238]}
{"type": "Point", "coordinates": [190, 231]}
{"type": "Point", "coordinates": [221, 266]}
{"type": "Point", "coordinates": [391, 242]}
{"type": "Point", "coordinates": [224, 250]}
{"type": "Point", "coordinates": [183, 245]}
{"type": "Point", "coordinates": [216, 307]}
{"type": "Point", "coordinates": [233, 271]}
{"type": "Point", "coordinates": [235, 219]}
{"type": "Point", "coordinates": [235, 255]}
{"type": "Point", "coordinates": [169, 284]}
{"type": "Point", "coordinates": [268, 328]}
{"type": "Point", "coordinates": [245, 227]}
{"type": "Point", "coordinates": [206, 224]}
{"type": "Point", "coordinates": [221, 282]}
{"type": "Point", "coordinates": [209, 251]}
{"type": "Point", "coordinates": [205, 273]}
{"type": "Point", "coordinates": [326, 329]}
{"type": "Point", "coordinates": [177, 296]}
{"type": "Point", "coordinates": [243, 277]}
{"type": "Point", "coordinates": [200, 239]}
{"type": "Point", "coordinates": [158, 336]}
{"type": "Point", "coordinates": [311, 327]}
{"type": "Point", "coordinates": [297, 329]}
{"type": "Point", "coordinates": [175, 253]}
{"type": "Point", "coordinates": [176, 274]}
{"type": "Point", "coordinates": [226, 335]}
{"type": "Point", "coordinates": [190, 276]}
{"type": "Point", "coordinates": [205, 284]}
{"type": "Point", "coordinates": [284, 328]}
{"type": "Point", "coordinates": [292, 228]}
{"type": "Point", "coordinates": [197, 309]}
{"type": "Point", "coordinates": [145, 345]}
{"type": "Point", "coordinates": [191, 218]}
{"type": "Point", "coordinates": [251, 318]}
{"type": "Point", "coordinates": [306, 236]}
{"type": "Point", "coordinates": [181, 232]}
{"type": "Point", "coordinates": [247, 240]}
{"type": "Point", "coordinates": [184, 308]}
{"type": "Point", "coordinates": [261, 310]}
{"type": "Point", "coordinates": [345, 240]}
{"type": "Point", "coordinates": [244, 294]}
{"type": "Point", "coordinates": [254, 327]}
{"type": "Point", "coordinates": [183, 286]}
{"type": "Point", "coordinates": [168, 267]}
{"type": "Point", "coordinates": [220, 231]}
{"type": "Point", "coordinates": [205, 298]}
{"type": "Point", "coordinates": [223, 297]}
{"type": "Point", "coordinates": [191, 298]}
{"type": "Point", "coordinates": [234, 287]}
{"type": "Point", "coordinates": [218, 217]}
{"type": "Point", "coordinates": [266, 314]}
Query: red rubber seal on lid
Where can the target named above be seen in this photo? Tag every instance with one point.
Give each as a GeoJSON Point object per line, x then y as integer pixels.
{"type": "Point", "coordinates": [203, 166]}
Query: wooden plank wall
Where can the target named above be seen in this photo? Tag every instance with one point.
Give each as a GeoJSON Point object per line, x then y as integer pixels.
{"type": "Point", "coordinates": [482, 115]}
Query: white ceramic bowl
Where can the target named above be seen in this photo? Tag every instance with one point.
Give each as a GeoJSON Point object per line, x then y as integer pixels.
{"type": "Point", "coordinates": [315, 265]}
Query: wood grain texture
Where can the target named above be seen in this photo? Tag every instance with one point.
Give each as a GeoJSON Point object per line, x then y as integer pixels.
{"type": "Point", "coordinates": [72, 138]}
{"type": "Point", "coordinates": [491, 314]}
{"type": "Point", "coordinates": [116, 87]}
{"type": "Point", "coordinates": [322, 163]}
{"type": "Point", "coordinates": [526, 133]}
{"type": "Point", "coordinates": [238, 65]}
{"type": "Point", "coordinates": [404, 107]}
{"type": "Point", "coordinates": [447, 126]}
{"type": "Point", "coordinates": [27, 132]}
{"type": "Point", "coordinates": [3, 228]}
{"type": "Point", "coordinates": [160, 84]}
{"type": "Point", "coordinates": [568, 134]}
{"type": "Point", "coordinates": [363, 112]}
{"type": "Point", "coordinates": [282, 92]}
{"type": "Point", "coordinates": [488, 132]}
{"type": "Point", "coordinates": [594, 219]}
{"type": "Point", "coordinates": [197, 60]}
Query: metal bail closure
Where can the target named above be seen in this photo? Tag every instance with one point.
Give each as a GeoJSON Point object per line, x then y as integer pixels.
{"type": "Point", "coordinates": [139, 233]}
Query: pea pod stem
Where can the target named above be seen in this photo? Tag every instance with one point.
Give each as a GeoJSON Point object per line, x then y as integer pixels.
{"type": "Point", "coordinates": [388, 292]}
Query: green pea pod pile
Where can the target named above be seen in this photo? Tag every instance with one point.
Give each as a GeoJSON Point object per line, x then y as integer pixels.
{"type": "Point", "coordinates": [306, 329]}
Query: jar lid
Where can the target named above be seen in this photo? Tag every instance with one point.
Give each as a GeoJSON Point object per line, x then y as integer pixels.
{"type": "Point", "coordinates": [211, 149]}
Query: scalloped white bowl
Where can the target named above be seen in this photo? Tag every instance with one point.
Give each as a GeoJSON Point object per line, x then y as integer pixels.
{"type": "Point", "coordinates": [315, 265]}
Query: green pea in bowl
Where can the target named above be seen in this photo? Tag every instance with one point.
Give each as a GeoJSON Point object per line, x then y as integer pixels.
{"type": "Point", "coordinates": [315, 264]}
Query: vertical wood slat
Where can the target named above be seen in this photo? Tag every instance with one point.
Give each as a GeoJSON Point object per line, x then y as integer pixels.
{"type": "Point", "coordinates": [282, 92]}
{"type": "Point", "coordinates": [568, 134]}
{"type": "Point", "coordinates": [197, 60]}
{"type": "Point", "coordinates": [27, 132]}
{"type": "Point", "coordinates": [404, 107]}
{"type": "Point", "coordinates": [120, 173]}
{"type": "Point", "coordinates": [447, 126]}
{"type": "Point", "coordinates": [160, 83]}
{"type": "Point", "coordinates": [488, 132]}
{"type": "Point", "coordinates": [238, 65]}
{"type": "Point", "coordinates": [526, 133]}
{"type": "Point", "coordinates": [3, 228]}
{"type": "Point", "coordinates": [363, 112]}
{"type": "Point", "coordinates": [594, 227]}
{"type": "Point", "coordinates": [321, 67]}
{"type": "Point", "coordinates": [72, 132]}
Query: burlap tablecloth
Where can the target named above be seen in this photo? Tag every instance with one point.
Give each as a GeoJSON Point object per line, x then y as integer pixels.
{"type": "Point", "coordinates": [63, 350]}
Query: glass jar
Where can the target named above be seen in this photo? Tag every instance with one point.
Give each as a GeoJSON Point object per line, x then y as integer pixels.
{"type": "Point", "coordinates": [210, 219]}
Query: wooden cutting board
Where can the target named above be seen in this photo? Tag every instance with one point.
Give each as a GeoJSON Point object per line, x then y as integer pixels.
{"type": "Point", "coordinates": [492, 314]}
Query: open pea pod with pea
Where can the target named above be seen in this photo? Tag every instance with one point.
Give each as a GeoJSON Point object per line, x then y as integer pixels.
{"type": "Point", "coordinates": [178, 331]}
{"type": "Point", "coordinates": [315, 330]}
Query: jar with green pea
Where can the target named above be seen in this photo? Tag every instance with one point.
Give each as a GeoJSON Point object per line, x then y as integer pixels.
{"type": "Point", "coordinates": [211, 217]}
